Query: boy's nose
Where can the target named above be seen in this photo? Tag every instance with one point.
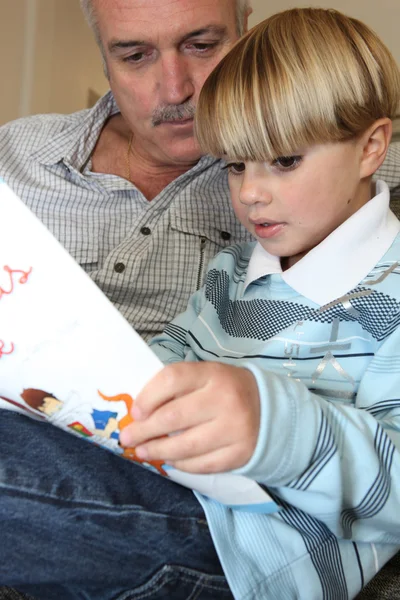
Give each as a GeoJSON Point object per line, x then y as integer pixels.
{"type": "Point", "coordinates": [253, 190]}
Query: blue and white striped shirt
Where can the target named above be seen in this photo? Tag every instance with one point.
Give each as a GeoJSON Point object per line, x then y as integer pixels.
{"type": "Point", "coordinates": [323, 341]}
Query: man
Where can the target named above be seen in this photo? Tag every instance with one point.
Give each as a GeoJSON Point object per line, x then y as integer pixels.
{"type": "Point", "coordinates": [125, 190]}
{"type": "Point", "coordinates": [123, 187]}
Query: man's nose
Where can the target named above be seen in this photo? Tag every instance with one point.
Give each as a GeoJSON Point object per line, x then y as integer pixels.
{"type": "Point", "coordinates": [176, 81]}
{"type": "Point", "coordinates": [254, 189]}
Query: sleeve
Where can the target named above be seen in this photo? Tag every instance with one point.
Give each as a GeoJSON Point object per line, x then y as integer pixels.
{"type": "Point", "coordinates": [171, 346]}
{"type": "Point", "coordinates": [338, 462]}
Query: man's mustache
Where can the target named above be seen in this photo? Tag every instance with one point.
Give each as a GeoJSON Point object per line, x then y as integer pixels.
{"type": "Point", "coordinates": [172, 113]}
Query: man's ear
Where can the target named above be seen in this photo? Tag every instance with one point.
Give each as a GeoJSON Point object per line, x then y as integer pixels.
{"type": "Point", "coordinates": [375, 142]}
{"type": "Point", "coordinates": [246, 20]}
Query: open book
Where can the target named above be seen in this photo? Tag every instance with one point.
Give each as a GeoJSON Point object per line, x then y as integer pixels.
{"type": "Point", "coordinates": [68, 356]}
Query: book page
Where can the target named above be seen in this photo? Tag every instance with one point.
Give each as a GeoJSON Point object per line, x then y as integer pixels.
{"type": "Point", "coordinates": [67, 356]}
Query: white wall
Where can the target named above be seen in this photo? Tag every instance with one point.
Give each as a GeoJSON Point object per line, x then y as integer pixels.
{"type": "Point", "coordinates": [49, 61]}
{"type": "Point", "coordinates": [383, 15]}
{"type": "Point", "coordinates": [76, 63]}
{"type": "Point", "coordinates": [12, 16]}
{"type": "Point", "coordinates": [48, 58]}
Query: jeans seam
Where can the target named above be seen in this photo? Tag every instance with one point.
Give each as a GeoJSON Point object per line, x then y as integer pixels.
{"type": "Point", "coordinates": [200, 585]}
{"type": "Point", "coordinates": [196, 592]}
{"type": "Point", "coordinates": [81, 504]}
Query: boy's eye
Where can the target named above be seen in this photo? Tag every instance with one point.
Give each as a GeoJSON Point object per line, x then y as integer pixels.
{"type": "Point", "coordinates": [286, 163]}
{"type": "Point", "coordinates": [236, 168]}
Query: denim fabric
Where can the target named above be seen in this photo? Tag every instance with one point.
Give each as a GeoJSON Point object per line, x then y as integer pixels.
{"type": "Point", "coordinates": [79, 522]}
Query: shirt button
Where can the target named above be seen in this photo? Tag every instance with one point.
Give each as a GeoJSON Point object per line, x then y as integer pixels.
{"type": "Point", "coordinates": [119, 267]}
{"type": "Point", "coordinates": [145, 231]}
{"type": "Point", "coordinates": [225, 235]}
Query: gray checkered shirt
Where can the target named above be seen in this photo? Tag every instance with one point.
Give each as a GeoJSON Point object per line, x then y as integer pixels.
{"type": "Point", "coordinates": [147, 257]}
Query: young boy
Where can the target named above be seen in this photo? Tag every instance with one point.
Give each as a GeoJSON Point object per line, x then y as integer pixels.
{"type": "Point", "coordinates": [288, 360]}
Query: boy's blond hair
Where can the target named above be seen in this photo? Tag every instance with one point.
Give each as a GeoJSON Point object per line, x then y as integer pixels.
{"type": "Point", "coordinates": [301, 77]}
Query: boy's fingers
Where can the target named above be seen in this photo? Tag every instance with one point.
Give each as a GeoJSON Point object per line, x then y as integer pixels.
{"type": "Point", "coordinates": [182, 378]}
{"type": "Point", "coordinates": [190, 443]}
{"type": "Point", "coordinates": [176, 415]}
{"type": "Point", "coordinates": [191, 447]}
{"type": "Point", "coordinates": [174, 380]}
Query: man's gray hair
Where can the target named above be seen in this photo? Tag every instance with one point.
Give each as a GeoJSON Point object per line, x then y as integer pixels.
{"type": "Point", "coordinates": [242, 9]}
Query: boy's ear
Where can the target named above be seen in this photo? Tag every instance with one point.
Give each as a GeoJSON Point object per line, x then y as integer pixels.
{"type": "Point", "coordinates": [375, 142]}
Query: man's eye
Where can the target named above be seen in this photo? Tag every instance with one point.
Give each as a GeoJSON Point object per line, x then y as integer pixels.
{"type": "Point", "coordinates": [235, 168]}
{"type": "Point", "coordinates": [202, 46]}
{"type": "Point", "coordinates": [137, 57]}
{"type": "Point", "coordinates": [287, 163]}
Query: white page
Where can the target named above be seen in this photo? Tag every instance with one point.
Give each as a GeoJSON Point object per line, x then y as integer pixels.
{"type": "Point", "coordinates": [66, 350]}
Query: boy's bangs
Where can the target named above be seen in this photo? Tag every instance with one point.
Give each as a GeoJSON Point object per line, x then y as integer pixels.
{"type": "Point", "coordinates": [232, 125]}
{"type": "Point", "coordinates": [302, 77]}
{"type": "Point", "coordinates": [265, 113]}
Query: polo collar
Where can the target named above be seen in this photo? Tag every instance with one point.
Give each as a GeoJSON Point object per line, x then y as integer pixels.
{"type": "Point", "coordinates": [341, 260]}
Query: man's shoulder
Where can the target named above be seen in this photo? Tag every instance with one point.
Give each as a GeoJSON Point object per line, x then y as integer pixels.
{"type": "Point", "coordinates": [36, 129]}
{"type": "Point", "coordinates": [390, 170]}
{"type": "Point", "coordinates": [48, 138]}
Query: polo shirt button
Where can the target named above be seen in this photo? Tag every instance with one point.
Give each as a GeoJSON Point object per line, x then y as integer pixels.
{"type": "Point", "coordinates": [145, 231]}
{"type": "Point", "coordinates": [119, 267]}
{"type": "Point", "coordinates": [225, 235]}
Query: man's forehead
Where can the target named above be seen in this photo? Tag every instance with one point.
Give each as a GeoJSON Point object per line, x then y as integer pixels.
{"type": "Point", "coordinates": [163, 23]}
{"type": "Point", "coordinates": [127, 4]}
{"type": "Point", "coordinates": [159, 10]}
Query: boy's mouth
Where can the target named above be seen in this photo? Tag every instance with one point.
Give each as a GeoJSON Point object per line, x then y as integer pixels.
{"type": "Point", "coordinates": [267, 229]}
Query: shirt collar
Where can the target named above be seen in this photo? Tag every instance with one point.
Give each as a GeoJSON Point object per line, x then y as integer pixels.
{"type": "Point", "coordinates": [341, 260]}
{"type": "Point", "coordinates": [75, 142]}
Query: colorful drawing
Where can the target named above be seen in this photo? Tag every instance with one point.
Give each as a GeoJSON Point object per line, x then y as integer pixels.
{"type": "Point", "coordinates": [63, 414]}
{"type": "Point", "coordinates": [23, 407]}
{"type": "Point", "coordinates": [41, 400]}
{"type": "Point", "coordinates": [96, 425]}
{"type": "Point", "coordinates": [11, 276]}
{"type": "Point", "coordinates": [80, 429]}
{"type": "Point", "coordinates": [4, 352]}
{"type": "Point", "coordinates": [106, 423]}
{"type": "Point", "coordinates": [126, 420]}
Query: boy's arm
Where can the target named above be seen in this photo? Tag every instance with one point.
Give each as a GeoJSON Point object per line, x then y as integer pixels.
{"type": "Point", "coordinates": [338, 462]}
{"type": "Point", "coordinates": [170, 346]}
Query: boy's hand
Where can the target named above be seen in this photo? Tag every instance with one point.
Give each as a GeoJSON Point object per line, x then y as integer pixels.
{"type": "Point", "coordinates": [212, 411]}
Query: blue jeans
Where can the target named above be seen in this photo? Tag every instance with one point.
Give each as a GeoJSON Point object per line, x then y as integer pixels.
{"type": "Point", "coordinates": [77, 522]}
